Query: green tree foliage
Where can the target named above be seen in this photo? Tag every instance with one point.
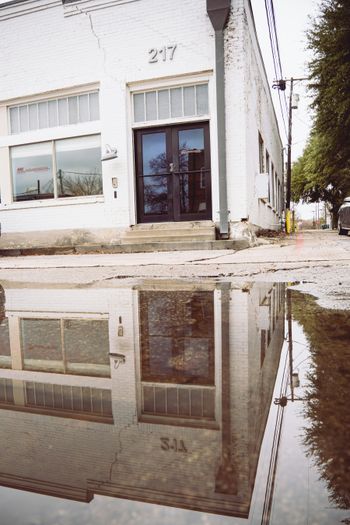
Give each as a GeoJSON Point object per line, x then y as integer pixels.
{"type": "Point", "coordinates": [327, 406]}
{"type": "Point", "coordinates": [323, 171]}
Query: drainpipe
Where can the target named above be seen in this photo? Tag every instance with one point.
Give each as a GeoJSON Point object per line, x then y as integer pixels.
{"type": "Point", "coordinates": [218, 12]}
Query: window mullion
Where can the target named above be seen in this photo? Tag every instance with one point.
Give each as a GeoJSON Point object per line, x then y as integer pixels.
{"type": "Point", "coordinates": [54, 170]}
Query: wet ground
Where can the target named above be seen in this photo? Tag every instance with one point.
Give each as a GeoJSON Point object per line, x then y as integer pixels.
{"type": "Point", "coordinates": [206, 401]}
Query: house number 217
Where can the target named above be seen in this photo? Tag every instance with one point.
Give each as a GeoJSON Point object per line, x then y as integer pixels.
{"type": "Point", "coordinates": [163, 54]}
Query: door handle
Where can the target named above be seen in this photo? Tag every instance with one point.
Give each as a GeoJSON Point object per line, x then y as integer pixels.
{"type": "Point", "coordinates": [171, 167]}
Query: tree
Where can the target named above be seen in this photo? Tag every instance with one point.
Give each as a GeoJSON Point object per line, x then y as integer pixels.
{"type": "Point", "coordinates": [316, 178]}
{"type": "Point", "coordinates": [327, 405]}
{"type": "Point", "coordinates": [323, 171]}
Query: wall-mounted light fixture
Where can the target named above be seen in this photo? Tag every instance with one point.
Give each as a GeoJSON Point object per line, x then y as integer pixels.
{"type": "Point", "coordinates": [119, 359]}
{"type": "Point", "coordinates": [110, 153]}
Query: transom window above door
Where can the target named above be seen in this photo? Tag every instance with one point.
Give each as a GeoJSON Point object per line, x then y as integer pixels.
{"type": "Point", "coordinates": [176, 102]}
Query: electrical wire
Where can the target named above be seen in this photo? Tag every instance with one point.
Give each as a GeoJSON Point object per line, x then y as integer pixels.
{"type": "Point", "coordinates": [276, 58]}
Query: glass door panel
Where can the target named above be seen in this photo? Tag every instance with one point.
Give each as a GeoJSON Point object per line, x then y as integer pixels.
{"type": "Point", "coordinates": [173, 173]}
{"type": "Point", "coordinates": [152, 163]}
{"type": "Point", "coordinates": [192, 171]}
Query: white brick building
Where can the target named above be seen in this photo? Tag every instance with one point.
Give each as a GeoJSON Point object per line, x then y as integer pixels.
{"type": "Point", "coordinates": [80, 79]}
{"type": "Point", "coordinates": [179, 421]}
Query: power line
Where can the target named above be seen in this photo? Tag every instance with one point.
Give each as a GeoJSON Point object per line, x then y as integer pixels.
{"type": "Point", "coordinates": [276, 58]}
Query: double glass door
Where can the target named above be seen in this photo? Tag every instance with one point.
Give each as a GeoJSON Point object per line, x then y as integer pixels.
{"type": "Point", "coordinates": [173, 173]}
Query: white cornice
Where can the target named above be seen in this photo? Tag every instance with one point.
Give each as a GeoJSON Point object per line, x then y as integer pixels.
{"type": "Point", "coordinates": [78, 7]}
{"type": "Point", "coordinates": [25, 8]}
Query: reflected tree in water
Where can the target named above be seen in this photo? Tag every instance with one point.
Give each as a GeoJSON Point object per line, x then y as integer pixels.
{"type": "Point", "coordinates": [327, 407]}
{"type": "Point", "coordinates": [71, 184]}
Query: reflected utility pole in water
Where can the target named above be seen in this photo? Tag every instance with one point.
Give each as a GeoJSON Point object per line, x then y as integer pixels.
{"type": "Point", "coordinates": [281, 401]}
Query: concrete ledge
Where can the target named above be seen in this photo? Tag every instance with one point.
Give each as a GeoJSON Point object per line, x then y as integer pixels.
{"type": "Point", "coordinates": [231, 244]}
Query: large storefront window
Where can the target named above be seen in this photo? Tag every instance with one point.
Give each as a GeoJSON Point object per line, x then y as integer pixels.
{"type": "Point", "coordinates": [32, 171]}
{"type": "Point", "coordinates": [78, 164]}
{"type": "Point", "coordinates": [69, 346]}
{"type": "Point", "coordinates": [61, 168]}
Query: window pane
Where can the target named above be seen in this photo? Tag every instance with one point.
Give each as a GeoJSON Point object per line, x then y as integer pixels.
{"type": "Point", "coordinates": [176, 333]}
{"type": "Point", "coordinates": [189, 101]}
{"type": "Point", "coordinates": [139, 109]}
{"type": "Point", "coordinates": [23, 118]}
{"type": "Point", "coordinates": [73, 110]}
{"type": "Point", "coordinates": [151, 106]}
{"type": "Point", "coordinates": [53, 117]}
{"type": "Point", "coordinates": [5, 349]}
{"type": "Point", "coordinates": [63, 111]}
{"type": "Point", "coordinates": [32, 171]}
{"type": "Point", "coordinates": [202, 99]}
{"type": "Point", "coordinates": [14, 120]}
{"type": "Point", "coordinates": [176, 102]}
{"type": "Point", "coordinates": [41, 344]}
{"type": "Point", "coordinates": [86, 344]}
{"type": "Point", "coordinates": [163, 103]}
{"type": "Point", "coordinates": [33, 116]}
{"type": "Point", "coordinates": [79, 169]}
{"type": "Point", "coordinates": [193, 192]}
{"type": "Point", "coordinates": [43, 115]}
{"type": "Point", "coordinates": [84, 108]}
{"type": "Point", "coordinates": [94, 106]}
{"type": "Point", "coordinates": [154, 154]}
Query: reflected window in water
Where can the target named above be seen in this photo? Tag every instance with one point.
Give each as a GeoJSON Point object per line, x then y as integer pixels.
{"type": "Point", "coordinates": [73, 346]}
{"type": "Point", "coordinates": [6, 391]}
{"type": "Point", "coordinates": [5, 349]}
{"type": "Point", "coordinates": [177, 337]}
{"type": "Point", "coordinates": [78, 402]}
{"type": "Point", "coordinates": [177, 353]}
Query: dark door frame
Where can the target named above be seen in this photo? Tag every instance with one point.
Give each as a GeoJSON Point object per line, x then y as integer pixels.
{"type": "Point", "coordinates": [173, 175]}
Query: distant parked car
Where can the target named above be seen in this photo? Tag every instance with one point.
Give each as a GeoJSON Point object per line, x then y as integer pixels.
{"type": "Point", "coordinates": [344, 217]}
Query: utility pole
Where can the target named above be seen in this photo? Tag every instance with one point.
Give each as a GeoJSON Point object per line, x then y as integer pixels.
{"type": "Point", "coordinates": [281, 85]}
{"type": "Point", "coordinates": [289, 149]}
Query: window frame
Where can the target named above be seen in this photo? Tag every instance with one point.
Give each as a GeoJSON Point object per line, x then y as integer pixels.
{"type": "Point", "coordinates": [56, 198]}
{"type": "Point", "coordinates": [37, 100]}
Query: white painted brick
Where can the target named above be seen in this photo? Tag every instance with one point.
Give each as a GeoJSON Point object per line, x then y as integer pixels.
{"type": "Point", "coordinates": [43, 51]}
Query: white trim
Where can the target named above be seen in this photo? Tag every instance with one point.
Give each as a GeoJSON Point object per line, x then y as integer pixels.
{"type": "Point", "coordinates": [58, 315]}
{"type": "Point", "coordinates": [130, 159]}
{"type": "Point", "coordinates": [48, 203]}
{"type": "Point", "coordinates": [53, 378]}
{"type": "Point", "coordinates": [168, 121]}
{"type": "Point", "coordinates": [48, 134]}
{"type": "Point", "coordinates": [217, 297]}
{"type": "Point", "coordinates": [78, 8]}
{"type": "Point", "coordinates": [80, 89]}
{"type": "Point", "coordinates": [16, 10]}
{"type": "Point", "coordinates": [169, 82]}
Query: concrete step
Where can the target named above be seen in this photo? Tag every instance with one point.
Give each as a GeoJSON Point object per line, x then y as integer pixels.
{"type": "Point", "coordinates": [167, 237]}
{"type": "Point", "coordinates": [169, 232]}
{"type": "Point", "coordinates": [163, 246]}
{"type": "Point", "coordinates": [173, 225]}
{"type": "Point", "coordinates": [128, 248]}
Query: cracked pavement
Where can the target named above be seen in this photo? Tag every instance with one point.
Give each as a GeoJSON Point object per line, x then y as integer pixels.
{"type": "Point", "coordinates": [318, 260]}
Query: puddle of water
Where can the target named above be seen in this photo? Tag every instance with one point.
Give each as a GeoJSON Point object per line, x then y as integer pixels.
{"type": "Point", "coordinates": [173, 402]}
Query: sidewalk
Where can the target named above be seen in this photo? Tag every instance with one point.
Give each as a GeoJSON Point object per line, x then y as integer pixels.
{"type": "Point", "coordinates": [304, 247]}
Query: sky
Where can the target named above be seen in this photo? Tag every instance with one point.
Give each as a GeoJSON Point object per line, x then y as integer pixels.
{"type": "Point", "coordinates": [293, 18]}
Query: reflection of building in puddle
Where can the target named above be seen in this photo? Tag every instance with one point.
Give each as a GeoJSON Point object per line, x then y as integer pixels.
{"type": "Point", "coordinates": [178, 422]}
